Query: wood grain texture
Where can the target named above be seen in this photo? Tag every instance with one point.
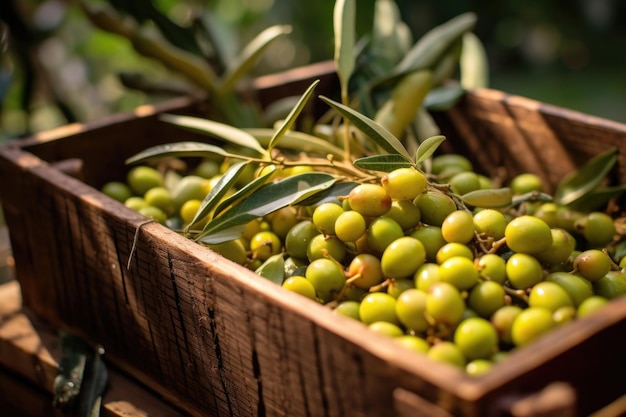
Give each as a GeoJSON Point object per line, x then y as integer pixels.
{"type": "Point", "coordinates": [212, 337]}
{"type": "Point", "coordinates": [498, 131]}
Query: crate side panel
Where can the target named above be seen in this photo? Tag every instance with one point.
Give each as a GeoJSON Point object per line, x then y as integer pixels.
{"type": "Point", "coordinates": [30, 219]}
{"type": "Point", "coordinates": [509, 135]}
{"type": "Point", "coordinates": [101, 151]}
{"type": "Point", "coordinates": [495, 136]}
{"type": "Point", "coordinates": [585, 136]}
{"type": "Point", "coordinates": [305, 360]}
{"type": "Point", "coordinates": [271, 357]}
{"type": "Point", "coordinates": [576, 355]}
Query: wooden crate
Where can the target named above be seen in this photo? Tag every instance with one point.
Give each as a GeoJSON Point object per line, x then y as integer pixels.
{"type": "Point", "coordinates": [214, 338]}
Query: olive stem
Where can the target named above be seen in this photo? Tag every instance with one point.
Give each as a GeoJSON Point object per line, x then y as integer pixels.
{"type": "Point", "coordinates": [516, 294]}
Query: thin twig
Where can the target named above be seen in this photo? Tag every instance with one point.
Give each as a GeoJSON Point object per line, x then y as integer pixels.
{"type": "Point", "coordinates": [132, 249]}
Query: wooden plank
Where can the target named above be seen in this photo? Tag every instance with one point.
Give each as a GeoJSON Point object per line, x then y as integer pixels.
{"type": "Point", "coordinates": [6, 258]}
{"type": "Point", "coordinates": [28, 349]}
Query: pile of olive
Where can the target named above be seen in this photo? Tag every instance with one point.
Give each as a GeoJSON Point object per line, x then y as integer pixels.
{"type": "Point", "coordinates": [462, 285]}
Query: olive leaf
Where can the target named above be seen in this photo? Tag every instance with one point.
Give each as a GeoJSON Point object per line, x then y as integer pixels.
{"type": "Point", "coordinates": [178, 149]}
{"type": "Point", "coordinates": [242, 64]}
{"type": "Point", "coordinates": [219, 190]}
{"type": "Point", "coordinates": [531, 196]}
{"type": "Point", "coordinates": [293, 115]}
{"type": "Point", "coordinates": [474, 65]}
{"type": "Point", "coordinates": [330, 195]}
{"type": "Point", "coordinates": [447, 66]}
{"type": "Point", "coordinates": [443, 97]}
{"type": "Point", "coordinates": [273, 269]}
{"type": "Point", "coordinates": [312, 192]}
{"type": "Point", "coordinates": [391, 37]}
{"type": "Point", "coordinates": [244, 191]}
{"type": "Point", "coordinates": [232, 233]}
{"type": "Point", "coordinates": [146, 10]}
{"type": "Point", "coordinates": [428, 147]}
{"type": "Point", "coordinates": [223, 131]}
{"type": "Point", "coordinates": [370, 128]}
{"type": "Point", "coordinates": [491, 198]}
{"type": "Point", "coordinates": [433, 45]}
{"type": "Point", "coordinates": [597, 198]}
{"type": "Point", "coordinates": [384, 163]}
{"type": "Point", "coordinates": [266, 199]}
{"type": "Point", "coordinates": [582, 181]}
{"type": "Point", "coordinates": [405, 101]}
{"type": "Point", "coordinates": [344, 16]}
{"type": "Point", "coordinates": [298, 141]}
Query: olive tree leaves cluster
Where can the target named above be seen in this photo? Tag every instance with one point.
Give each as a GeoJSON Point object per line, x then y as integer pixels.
{"type": "Point", "coordinates": [198, 53]}
{"type": "Point", "coordinates": [381, 123]}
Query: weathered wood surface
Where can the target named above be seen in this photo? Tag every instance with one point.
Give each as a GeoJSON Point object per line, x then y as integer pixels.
{"type": "Point", "coordinates": [497, 130]}
{"type": "Point", "coordinates": [29, 351]}
{"type": "Point", "coordinates": [212, 337]}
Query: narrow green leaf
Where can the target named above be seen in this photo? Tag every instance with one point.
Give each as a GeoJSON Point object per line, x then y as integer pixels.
{"type": "Point", "coordinates": [474, 65]}
{"type": "Point", "coordinates": [267, 199]}
{"type": "Point", "coordinates": [329, 195]}
{"type": "Point", "coordinates": [444, 97]}
{"type": "Point", "coordinates": [344, 17]}
{"type": "Point", "coordinates": [407, 97]}
{"type": "Point", "coordinates": [313, 191]}
{"type": "Point", "coordinates": [244, 191]}
{"type": "Point", "coordinates": [498, 197]}
{"type": "Point", "coordinates": [384, 163]}
{"type": "Point", "coordinates": [250, 54]}
{"type": "Point", "coordinates": [231, 233]}
{"type": "Point", "coordinates": [219, 190]}
{"type": "Point", "coordinates": [298, 141]}
{"type": "Point", "coordinates": [448, 64]}
{"type": "Point", "coordinates": [293, 115]}
{"type": "Point", "coordinates": [178, 149]}
{"type": "Point", "coordinates": [223, 131]}
{"type": "Point", "coordinates": [391, 37]}
{"type": "Point", "coordinates": [428, 147]}
{"type": "Point", "coordinates": [531, 196]}
{"type": "Point", "coordinates": [433, 45]}
{"type": "Point", "coordinates": [273, 269]}
{"type": "Point", "coordinates": [370, 128]}
{"type": "Point", "coordinates": [586, 178]}
{"type": "Point", "coordinates": [597, 198]}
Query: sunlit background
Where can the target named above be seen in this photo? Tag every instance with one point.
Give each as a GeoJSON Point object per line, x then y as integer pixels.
{"type": "Point", "coordinates": [56, 67]}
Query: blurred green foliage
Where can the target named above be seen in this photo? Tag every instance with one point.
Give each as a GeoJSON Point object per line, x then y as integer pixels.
{"type": "Point", "coordinates": [56, 67]}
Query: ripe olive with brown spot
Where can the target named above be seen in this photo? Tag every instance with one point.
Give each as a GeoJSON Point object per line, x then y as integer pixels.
{"type": "Point", "coordinates": [371, 200]}
{"type": "Point", "coordinates": [365, 271]}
